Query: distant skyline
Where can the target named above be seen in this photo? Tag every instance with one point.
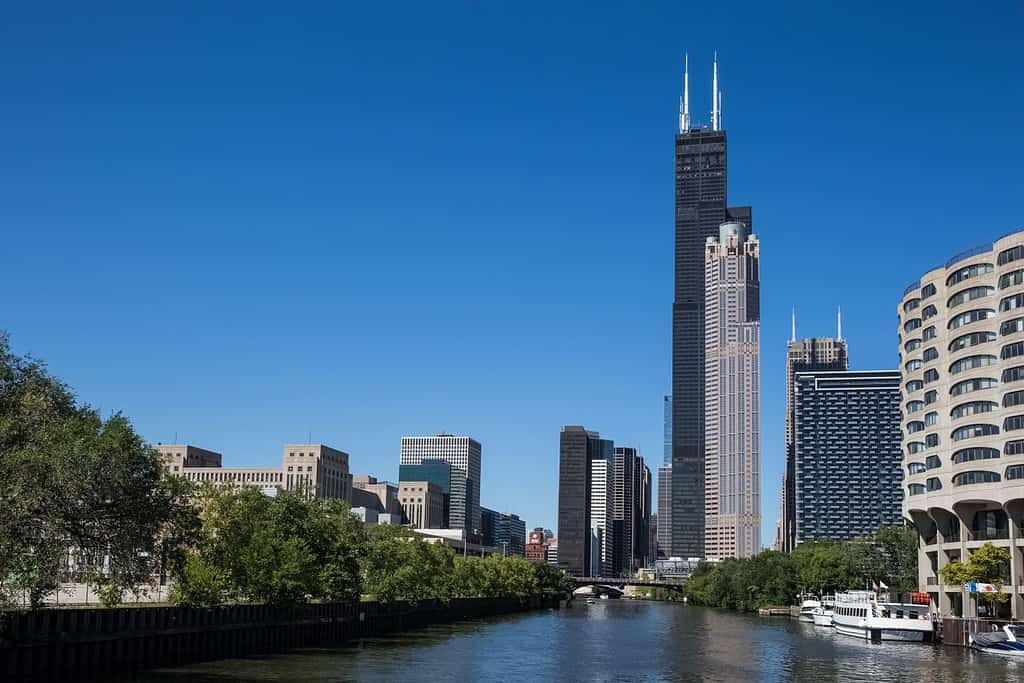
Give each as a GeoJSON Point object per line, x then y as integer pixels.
{"type": "Point", "coordinates": [254, 226]}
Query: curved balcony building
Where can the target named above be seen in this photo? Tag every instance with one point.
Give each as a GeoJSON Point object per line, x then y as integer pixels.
{"type": "Point", "coordinates": [961, 346]}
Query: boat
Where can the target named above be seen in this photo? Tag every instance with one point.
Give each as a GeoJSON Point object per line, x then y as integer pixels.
{"type": "Point", "coordinates": [1008, 641]}
{"type": "Point", "coordinates": [822, 615]}
{"type": "Point", "coordinates": [807, 607]}
{"type": "Point", "coordinates": [861, 615]}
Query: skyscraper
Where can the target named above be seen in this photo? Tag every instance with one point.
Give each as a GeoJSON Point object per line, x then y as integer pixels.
{"type": "Point", "coordinates": [847, 456]}
{"type": "Point", "coordinates": [667, 407]}
{"type": "Point", "coordinates": [732, 334]}
{"type": "Point", "coordinates": [624, 506]}
{"type": "Point", "coordinates": [601, 487]}
{"type": "Point", "coordinates": [804, 355]}
{"type": "Point", "coordinates": [463, 454]}
{"type": "Point", "coordinates": [700, 207]}
{"type": "Point", "coordinates": [664, 540]}
{"type": "Point", "coordinates": [577, 448]}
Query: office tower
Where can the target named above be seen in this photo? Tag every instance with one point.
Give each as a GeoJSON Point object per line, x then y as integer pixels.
{"type": "Point", "coordinates": [667, 408]}
{"type": "Point", "coordinates": [846, 445]}
{"type": "Point", "coordinates": [732, 334]}
{"type": "Point", "coordinates": [700, 207]}
{"type": "Point", "coordinates": [803, 355]}
{"type": "Point", "coordinates": [664, 510]}
{"type": "Point", "coordinates": [623, 509]}
{"type": "Point", "coordinates": [508, 533]}
{"type": "Point", "coordinates": [962, 364]}
{"type": "Point", "coordinates": [386, 494]}
{"type": "Point", "coordinates": [644, 517]}
{"type": "Point", "coordinates": [652, 541]}
{"type": "Point", "coordinates": [463, 455]}
{"type": "Point", "coordinates": [577, 448]}
{"type": "Point", "coordinates": [601, 487]}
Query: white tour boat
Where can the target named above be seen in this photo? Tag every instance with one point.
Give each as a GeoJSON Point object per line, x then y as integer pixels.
{"type": "Point", "coordinates": [822, 615]}
{"type": "Point", "coordinates": [807, 607]}
{"type": "Point", "coordinates": [1008, 641]}
{"type": "Point", "coordinates": [859, 614]}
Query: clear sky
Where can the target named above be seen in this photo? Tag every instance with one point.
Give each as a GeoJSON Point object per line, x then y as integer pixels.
{"type": "Point", "coordinates": [244, 223]}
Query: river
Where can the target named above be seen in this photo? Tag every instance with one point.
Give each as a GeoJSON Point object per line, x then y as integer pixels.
{"type": "Point", "coordinates": [613, 640]}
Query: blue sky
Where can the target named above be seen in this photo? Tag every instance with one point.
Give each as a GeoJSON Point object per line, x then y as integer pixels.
{"type": "Point", "coordinates": [242, 223]}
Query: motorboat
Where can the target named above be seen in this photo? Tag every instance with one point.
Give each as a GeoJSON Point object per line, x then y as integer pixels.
{"type": "Point", "coordinates": [1007, 641]}
{"type": "Point", "coordinates": [807, 607]}
{"type": "Point", "coordinates": [822, 616]}
{"type": "Point", "coordinates": [860, 614]}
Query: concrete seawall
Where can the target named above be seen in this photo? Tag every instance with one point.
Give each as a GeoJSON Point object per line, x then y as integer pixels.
{"type": "Point", "coordinates": [83, 644]}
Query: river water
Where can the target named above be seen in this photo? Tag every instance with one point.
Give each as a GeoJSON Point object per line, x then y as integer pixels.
{"type": "Point", "coordinates": [614, 640]}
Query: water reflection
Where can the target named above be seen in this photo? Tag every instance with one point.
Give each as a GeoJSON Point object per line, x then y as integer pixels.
{"type": "Point", "coordinates": [614, 640]}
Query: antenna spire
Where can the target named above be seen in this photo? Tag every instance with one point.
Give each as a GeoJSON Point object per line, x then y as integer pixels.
{"type": "Point", "coordinates": [839, 323]}
{"type": "Point", "coordinates": [716, 114]}
{"type": "Point", "coordinates": [684, 104]}
{"type": "Point", "coordinates": [792, 336]}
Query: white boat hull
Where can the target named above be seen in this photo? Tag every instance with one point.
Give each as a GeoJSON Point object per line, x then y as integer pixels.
{"type": "Point", "coordinates": [823, 620]}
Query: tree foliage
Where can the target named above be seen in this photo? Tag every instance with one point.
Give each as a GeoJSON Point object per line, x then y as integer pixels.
{"type": "Point", "coordinates": [77, 492]}
{"type": "Point", "coordinates": [987, 564]}
{"type": "Point", "coordinates": [281, 550]}
{"type": "Point", "coordinates": [772, 579]}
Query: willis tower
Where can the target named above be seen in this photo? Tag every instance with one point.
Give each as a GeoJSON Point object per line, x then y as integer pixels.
{"type": "Point", "coordinates": [701, 206]}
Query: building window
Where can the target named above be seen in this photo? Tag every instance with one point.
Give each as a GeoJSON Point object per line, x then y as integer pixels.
{"type": "Point", "coordinates": [915, 426]}
{"type": "Point", "coordinates": [974, 431]}
{"type": "Point", "coordinates": [969, 294]}
{"type": "Point", "coordinates": [933, 484]}
{"type": "Point", "coordinates": [974, 453]}
{"type": "Point", "coordinates": [969, 385]}
{"type": "Point", "coordinates": [915, 447]}
{"type": "Point", "coordinates": [975, 477]}
{"type": "Point", "coordinates": [931, 419]}
{"type": "Point", "coordinates": [916, 468]}
{"type": "Point", "coordinates": [911, 324]}
{"type": "Point", "coordinates": [916, 489]}
{"type": "Point", "coordinates": [1010, 255]}
{"type": "Point", "coordinates": [914, 364]}
{"type": "Point", "coordinates": [927, 291]}
{"type": "Point", "coordinates": [972, 339]}
{"type": "Point", "coordinates": [1013, 423]}
{"type": "Point", "coordinates": [968, 317]}
{"type": "Point", "coordinates": [1014, 447]}
{"type": "Point", "coordinates": [1011, 302]}
{"type": "Point", "coordinates": [928, 333]}
{"type": "Point", "coordinates": [931, 441]}
{"type": "Point", "coordinates": [931, 375]}
{"type": "Point", "coordinates": [973, 362]}
{"type": "Point", "coordinates": [930, 354]}
{"type": "Point", "coordinates": [1011, 327]}
{"type": "Point", "coordinates": [931, 397]}
{"type": "Point", "coordinates": [1015, 472]}
{"type": "Point", "coordinates": [967, 272]}
{"type": "Point", "coordinates": [932, 462]}
{"type": "Point", "coordinates": [911, 305]}
{"type": "Point", "coordinates": [929, 312]}
{"type": "Point", "coordinates": [912, 345]}
{"type": "Point", "coordinates": [914, 385]}
{"type": "Point", "coordinates": [973, 408]}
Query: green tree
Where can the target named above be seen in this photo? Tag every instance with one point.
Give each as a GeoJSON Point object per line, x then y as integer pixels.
{"type": "Point", "coordinates": [986, 564]}
{"type": "Point", "coordinates": [282, 550]}
{"type": "Point", "coordinates": [400, 566]}
{"type": "Point", "coordinates": [75, 486]}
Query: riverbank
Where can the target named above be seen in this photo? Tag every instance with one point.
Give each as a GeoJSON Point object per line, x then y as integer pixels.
{"type": "Point", "coordinates": [84, 644]}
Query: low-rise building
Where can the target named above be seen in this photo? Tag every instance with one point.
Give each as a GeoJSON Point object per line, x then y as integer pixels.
{"type": "Point", "coordinates": [423, 503]}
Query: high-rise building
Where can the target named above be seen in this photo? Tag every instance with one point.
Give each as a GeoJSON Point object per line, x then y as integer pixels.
{"type": "Point", "coordinates": [700, 208]}
{"type": "Point", "coordinates": [961, 336]}
{"type": "Point", "coordinates": [601, 486]}
{"type": "Point", "coordinates": [732, 333]}
{"type": "Point", "coordinates": [385, 492]}
{"type": "Point", "coordinates": [577, 448]}
{"type": "Point", "coordinates": [624, 506]}
{"type": "Point", "coordinates": [847, 458]}
{"type": "Point", "coordinates": [664, 540]}
{"type": "Point", "coordinates": [503, 530]}
{"type": "Point", "coordinates": [536, 546]}
{"type": "Point", "coordinates": [803, 355]}
{"type": "Point", "coordinates": [463, 455]}
{"type": "Point", "coordinates": [667, 409]}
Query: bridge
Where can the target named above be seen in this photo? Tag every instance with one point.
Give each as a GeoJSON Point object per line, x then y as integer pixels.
{"type": "Point", "coordinates": [620, 582]}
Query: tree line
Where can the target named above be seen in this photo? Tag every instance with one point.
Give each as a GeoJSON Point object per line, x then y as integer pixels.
{"type": "Point", "coordinates": [775, 579]}
{"type": "Point", "coordinates": [83, 498]}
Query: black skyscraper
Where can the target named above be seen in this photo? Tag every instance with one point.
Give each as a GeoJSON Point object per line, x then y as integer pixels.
{"type": "Point", "coordinates": [701, 183]}
{"type": "Point", "coordinates": [577, 447]}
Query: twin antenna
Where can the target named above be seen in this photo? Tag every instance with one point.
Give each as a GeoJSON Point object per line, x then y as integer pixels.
{"type": "Point", "coordinates": [839, 325]}
{"type": "Point", "coordinates": [684, 101]}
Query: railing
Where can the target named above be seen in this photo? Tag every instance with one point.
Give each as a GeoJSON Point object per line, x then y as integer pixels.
{"type": "Point", "coordinates": [911, 287]}
{"type": "Point", "coordinates": [932, 581]}
{"type": "Point", "coordinates": [990, 535]}
{"type": "Point", "coordinates": [968, 253]}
